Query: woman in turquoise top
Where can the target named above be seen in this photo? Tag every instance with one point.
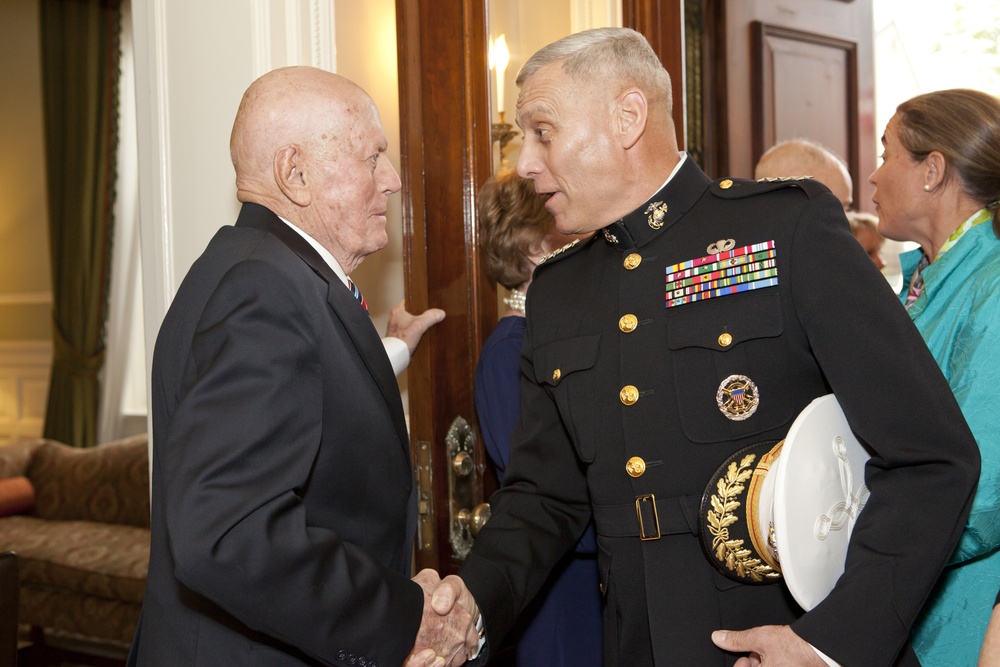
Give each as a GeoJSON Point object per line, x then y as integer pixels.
{"type": "Point", "coordinates": [938, 185]}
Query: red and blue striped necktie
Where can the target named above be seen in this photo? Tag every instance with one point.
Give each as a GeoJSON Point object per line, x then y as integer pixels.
{"type": "Point", "coordinates": [357, 294]}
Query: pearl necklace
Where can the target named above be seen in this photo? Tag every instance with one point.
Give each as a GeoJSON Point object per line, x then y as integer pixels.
{"type": "Point", "coordinates": [516, 300]}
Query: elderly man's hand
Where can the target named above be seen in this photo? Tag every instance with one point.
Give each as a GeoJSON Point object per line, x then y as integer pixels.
{"type": "Point", "coordinates": [768, 646]}
{"type": "Point", "coordinates": [447, 634]}
{"type": "Point", "coordinates": [409, 327]}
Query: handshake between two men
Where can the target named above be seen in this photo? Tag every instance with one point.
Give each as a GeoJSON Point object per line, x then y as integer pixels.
{"type": "Point", "coordinates": [449, 633]}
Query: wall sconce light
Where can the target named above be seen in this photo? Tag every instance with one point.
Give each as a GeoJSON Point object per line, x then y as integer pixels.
{"type": "Point", "coordinates": [498, 57]}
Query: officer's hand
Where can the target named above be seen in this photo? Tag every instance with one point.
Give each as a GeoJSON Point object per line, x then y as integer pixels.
{"type": "Point", "coordinates": [768, 646]}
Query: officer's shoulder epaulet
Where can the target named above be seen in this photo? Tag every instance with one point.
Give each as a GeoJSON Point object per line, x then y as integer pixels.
{"type": "Point", "coordinates": [738, 188]}
{"type": "Point", "coordinates": [563, 252]}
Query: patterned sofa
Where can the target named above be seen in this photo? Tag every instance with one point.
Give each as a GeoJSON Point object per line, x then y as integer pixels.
{"type": "Point", "coordinates": [83, 539]}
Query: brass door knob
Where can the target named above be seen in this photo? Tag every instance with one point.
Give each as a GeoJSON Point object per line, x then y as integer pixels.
{"type": "Point", "coordinates": [463, 464]}
{"type": "Point", "coordinates": [476, 518]}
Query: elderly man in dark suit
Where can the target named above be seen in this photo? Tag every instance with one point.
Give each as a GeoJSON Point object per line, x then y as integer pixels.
{"type": "Point", "coordinates": [283, 500]}
{"type": "Point", "coordinates": [702, 319]}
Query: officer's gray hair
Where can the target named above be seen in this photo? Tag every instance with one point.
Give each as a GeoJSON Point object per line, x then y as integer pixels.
{"type": "Point", "coordinates": [606, 54]}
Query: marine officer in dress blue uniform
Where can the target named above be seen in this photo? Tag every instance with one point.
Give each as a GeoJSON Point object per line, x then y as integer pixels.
{"type": "Point", "coordinates": [702, 318]}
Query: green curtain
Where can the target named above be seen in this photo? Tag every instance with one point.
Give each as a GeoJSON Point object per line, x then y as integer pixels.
{"type": "Point", "coordinates": [80, 72]}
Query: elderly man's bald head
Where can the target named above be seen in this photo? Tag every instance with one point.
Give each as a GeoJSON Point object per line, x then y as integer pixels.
{"type": "Point", "coordinates": [293, 105]}
{"type": "Point", "coordinates": [309, 146]}
{"type": "Point", "coordinates": [801, 157]}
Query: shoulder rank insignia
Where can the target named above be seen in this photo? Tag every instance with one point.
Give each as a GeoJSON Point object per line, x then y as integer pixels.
{"type": "Point", "coordinates": [558, 251]}
{"type": "Point", "coordinates": [732, 271]}
{"type": "Point", "coordinates": [782, 179]}
{"type": "Point", "coordinates": [741, 188]}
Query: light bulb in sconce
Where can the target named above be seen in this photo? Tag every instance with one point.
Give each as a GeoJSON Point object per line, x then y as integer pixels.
{"type": "Point", "coordinates": [498, 57]}
{"type": "Point", "coordinates": [501, 56]}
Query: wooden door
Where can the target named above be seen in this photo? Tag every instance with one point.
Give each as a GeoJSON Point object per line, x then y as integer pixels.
{"type": "Point", "coordinates": [446, 155]}
{"type": "Point", "coordinates": [775, 70]}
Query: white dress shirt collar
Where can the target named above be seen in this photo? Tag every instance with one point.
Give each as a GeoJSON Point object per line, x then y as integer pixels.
{"type": "Point", "coordinates": [323, 252]}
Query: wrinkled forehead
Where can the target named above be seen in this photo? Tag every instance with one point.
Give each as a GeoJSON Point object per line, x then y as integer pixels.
{"type": "Point", "coordinates": [551, 91]}
{"type": "Point", "coordinates": [348, 123]}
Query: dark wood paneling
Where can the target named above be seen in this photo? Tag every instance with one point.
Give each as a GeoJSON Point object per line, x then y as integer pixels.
{"type": "Point", "coordinates": [705, 67]}
{"type": "Point", "coordinates": [805, 85]}
{"type": "Point", "coordinates": [732, 96]}
{"type": "Point", "coordinates": [662, 23]}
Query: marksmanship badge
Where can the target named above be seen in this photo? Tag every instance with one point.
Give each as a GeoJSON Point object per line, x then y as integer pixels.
{"type": "Point", "coordinates": [737, 397]}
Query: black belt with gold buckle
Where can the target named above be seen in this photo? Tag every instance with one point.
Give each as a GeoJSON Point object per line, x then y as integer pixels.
{"type": "Point", "coordinates": [648, 518]}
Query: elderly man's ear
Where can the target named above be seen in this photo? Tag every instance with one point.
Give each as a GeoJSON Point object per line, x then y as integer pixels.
{"type": "Point", "coordinates": [289, 174]}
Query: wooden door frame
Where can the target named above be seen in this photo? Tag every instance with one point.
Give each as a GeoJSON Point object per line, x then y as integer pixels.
{"type": "Point", "coordinates": [446, 154]}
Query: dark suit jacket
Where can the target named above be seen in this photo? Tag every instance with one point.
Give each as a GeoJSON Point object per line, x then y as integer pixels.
{"type": "Point", "coordinates": [283, 505]}
{"type": "Point", "coordinates": [830, 324]}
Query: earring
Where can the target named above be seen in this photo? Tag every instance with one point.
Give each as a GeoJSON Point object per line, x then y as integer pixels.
{"type": "Point", "coordinates": [927, 188]}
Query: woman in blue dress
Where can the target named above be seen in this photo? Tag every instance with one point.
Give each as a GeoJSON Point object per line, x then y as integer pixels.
{"type": "Point", "coordinates": [939, 185]}
{"type": "Point", "coordinates": [562, 628]}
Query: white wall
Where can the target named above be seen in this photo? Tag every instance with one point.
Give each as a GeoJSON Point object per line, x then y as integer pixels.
{"type": "Point", "coordinates": [193, 61]}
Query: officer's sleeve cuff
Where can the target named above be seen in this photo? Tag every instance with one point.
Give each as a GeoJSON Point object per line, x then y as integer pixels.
{"type": "Point", "coordinates": [481, 629]}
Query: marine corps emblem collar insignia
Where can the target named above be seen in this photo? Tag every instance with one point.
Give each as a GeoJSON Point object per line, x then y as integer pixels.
{"type": "Point", "coordinates": [657, 212]}
{"type": "Point", "coordinates": [737, 397]}
{"type": "Point", "coordinates": [609, 237]}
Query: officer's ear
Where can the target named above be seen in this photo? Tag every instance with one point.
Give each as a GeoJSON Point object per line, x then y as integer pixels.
{"type": "Point", "coordinates": [631, 114]}
{"type": "Point", "coordinates": [289, 174]}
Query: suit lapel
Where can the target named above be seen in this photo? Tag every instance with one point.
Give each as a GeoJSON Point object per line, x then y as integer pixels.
{"type": "Point", "coordinates": [356, 321]}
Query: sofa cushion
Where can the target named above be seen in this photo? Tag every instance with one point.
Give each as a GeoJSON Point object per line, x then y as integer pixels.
{"type": "Point", "coordinates": [108, 624]}
{"type": "Point", "coordinates": [108, 483]}
{"type": "Point", "coordinates": [84, 557]}
{"type": "Point", "coordinates": [17, 495]}
{"type": "Point", "coordinates": [14, 457]}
